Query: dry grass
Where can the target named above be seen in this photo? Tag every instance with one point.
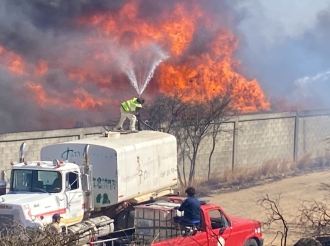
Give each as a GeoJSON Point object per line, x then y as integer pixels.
{"type": "Point", "coordinates": [303, 164]}
{"type": "Point", "coordinates": [239, 176]}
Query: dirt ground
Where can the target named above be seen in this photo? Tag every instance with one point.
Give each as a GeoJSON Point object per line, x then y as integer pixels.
{"type": "Point", "coordinates": [293, 191]}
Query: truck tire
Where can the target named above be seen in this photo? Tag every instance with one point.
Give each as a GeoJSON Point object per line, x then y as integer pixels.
{"type": "Point", "coordinates": [251, 242]}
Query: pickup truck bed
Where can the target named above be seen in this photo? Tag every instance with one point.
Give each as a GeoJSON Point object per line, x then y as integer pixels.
{"type": "Point", "coordinates": [217, 228]}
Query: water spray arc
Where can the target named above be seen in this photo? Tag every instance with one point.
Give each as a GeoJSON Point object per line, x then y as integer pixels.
{"type": "Point", "coordinates": [154, 56]}
{"type": "Point", "coordinates": [140, 65]}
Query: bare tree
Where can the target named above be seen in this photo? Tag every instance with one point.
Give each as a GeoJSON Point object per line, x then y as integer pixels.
{"type": "Point", "coordinates": [275, 215]}
{"type": "Point", "coordinates": [198, 121]}
{"type": "Point", "coordinates": [16, 234]}
{"type": "Point", "coordinates": [164, 112]}
{"type": "Point", "coordinates": [190, 122]}
{"type": "Point", "coordinates": [315, 218]}
{"type": "Point", "coordinates": [218, 105]}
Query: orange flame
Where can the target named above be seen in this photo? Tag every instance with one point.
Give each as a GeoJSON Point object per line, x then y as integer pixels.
{"type": "Point", "coordinates": [201, 72]}
{"type": "Point", "coordinates": [214, 75]}
{"type": "Point", "coordinates": [83, 75]}
{"type": "Point", "coordinates": [13, 61]}
{"type": "Point", "coordinates": [125, 27]}
{"type": "Point", "coordinates": [199, 76]}
{"type": "Point", "coordinates": [41, 69]}
{"type": "Point", "coordinates": [84, 100]}
{"type": "Point", "coordinates": [37, 92]}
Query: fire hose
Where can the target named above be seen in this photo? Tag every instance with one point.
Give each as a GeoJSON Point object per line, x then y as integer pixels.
{"type": "Point", "coordinates": [144, 123]}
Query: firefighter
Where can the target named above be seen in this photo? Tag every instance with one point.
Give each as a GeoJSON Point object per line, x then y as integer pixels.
{"type": "Point", "coordinates": [128, 110]}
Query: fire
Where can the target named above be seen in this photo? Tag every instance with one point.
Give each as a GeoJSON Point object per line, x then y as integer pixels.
{"type": "Point", "coordinates": [90, 76]}
{"type": "Point", "coordinates": [42, 96]}
{"type": "Point", "coordinates": [84, 100]}
{"type": "Point", "coordinates": [212, 76]}
{"type": "Point", "coordinates": [12, 61]}
{"type": "Point", "coordinates": [202, 75]}
{"type": "Point", "coordinates": [84, 75]}
{"type": "Point", "coordinates": [41, 69]}
{"type": "Point", "coordinates": [126, 28]}
{"type": "Point", "coordinates": [16, 66]}
{"type": "Point", "coordinates": [38, 94]}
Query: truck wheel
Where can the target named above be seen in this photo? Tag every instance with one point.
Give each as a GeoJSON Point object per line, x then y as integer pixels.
{"type": "Point", "coordinates": [251, 242]}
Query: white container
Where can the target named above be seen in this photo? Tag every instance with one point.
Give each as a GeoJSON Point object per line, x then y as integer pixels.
{"type": "Point", "coordinates": [124, 167]}
{"type": "Point", "coordinates": [154, 222]}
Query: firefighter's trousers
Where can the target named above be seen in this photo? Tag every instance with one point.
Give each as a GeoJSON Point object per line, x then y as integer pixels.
{"type": "Point", "coordinates": [123, 115]}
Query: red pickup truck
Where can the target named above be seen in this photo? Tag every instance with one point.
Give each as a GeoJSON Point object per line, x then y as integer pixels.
{"type": "Point", "coordinates": [218, 229]}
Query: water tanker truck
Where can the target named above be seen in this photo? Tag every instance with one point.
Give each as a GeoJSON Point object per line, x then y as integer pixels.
{"type": "Point", "coordinates": [87, 181]}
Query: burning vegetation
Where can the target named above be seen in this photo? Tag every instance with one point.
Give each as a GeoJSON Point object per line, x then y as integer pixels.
{"type": "Point", "coordinates": [91, 58]}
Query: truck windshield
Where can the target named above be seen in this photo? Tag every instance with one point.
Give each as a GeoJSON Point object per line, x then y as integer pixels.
{"type": "Point", "coordinates": [36, 181]}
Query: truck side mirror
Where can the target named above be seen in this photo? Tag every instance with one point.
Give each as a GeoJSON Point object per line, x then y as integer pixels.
{"type": "Point", "coordinates": [85, 184]}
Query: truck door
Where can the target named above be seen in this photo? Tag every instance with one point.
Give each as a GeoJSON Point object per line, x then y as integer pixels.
{"type": "Point", "coordinates": [75, 199]}
{"type": "Point", "coordinates": [201, 238]}
{"type": "Point", "coordinates": [219, 230]}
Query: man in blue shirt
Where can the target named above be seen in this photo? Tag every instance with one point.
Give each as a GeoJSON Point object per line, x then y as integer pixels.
{"type": "Point", "coordinates": [191, 209]}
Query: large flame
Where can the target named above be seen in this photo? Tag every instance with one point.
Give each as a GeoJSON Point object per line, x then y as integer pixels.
{"type": "Point", "coordinates": [201, 75]}
{"type": "Point", "coordinates": [201, 63]}
{"type": "Point", "coordinates": [79, 98]}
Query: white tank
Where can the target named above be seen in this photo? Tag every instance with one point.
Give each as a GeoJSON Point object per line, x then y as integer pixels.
{"type": "Point", "coordinates": [125, 166]}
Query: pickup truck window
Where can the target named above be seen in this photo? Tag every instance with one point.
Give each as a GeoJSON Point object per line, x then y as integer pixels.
{"type": "Point", "coordinates": [218, 220]}
{"type": "Point", "coordinates": [36, 181]}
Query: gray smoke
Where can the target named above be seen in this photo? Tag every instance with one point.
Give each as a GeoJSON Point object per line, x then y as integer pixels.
{"type": "Point", "coordinates": [280, 44]}
{"type": "Point", "coordinates": [283, 42]}
{"type": "Point", "coordinates": [47, 30]}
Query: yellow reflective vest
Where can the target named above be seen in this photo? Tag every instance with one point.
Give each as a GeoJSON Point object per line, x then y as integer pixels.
{"type": "Point", "coordinates": [131, 105]}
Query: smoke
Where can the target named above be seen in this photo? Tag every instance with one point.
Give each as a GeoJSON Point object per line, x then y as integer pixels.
{"type": "Point", "coordinates": [283, 42]}
{"type": "Point", "coordinates": [45, 56]}
{"type": "Point", "coordinates": [42, 44]}
{"type": "Point", "coordinates": [44, 30]}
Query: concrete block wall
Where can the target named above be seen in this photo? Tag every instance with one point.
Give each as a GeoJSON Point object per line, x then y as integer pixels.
{"type": "Point", "coordinates": [11, 142]}
{"type": "Point", "coordinates": [313, 130]}
{"type": "Point", "coordinates": [264, 139]}
{"type": "Point", "coordinates": [258, 138]}
{"type": "Point", "coordinates": [222, 157]}
{"type": "Point", "coordinates": [249, 140]}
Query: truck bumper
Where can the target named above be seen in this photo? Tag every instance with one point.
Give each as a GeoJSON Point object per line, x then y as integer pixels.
{"type": "Point", "coordinates": [261, 242]}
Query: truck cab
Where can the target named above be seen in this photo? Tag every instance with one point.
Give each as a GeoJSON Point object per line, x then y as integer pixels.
{"type": "Point", "coordinates": [217, 228]}
{"type": "Point", "coordinates": [41, 189]}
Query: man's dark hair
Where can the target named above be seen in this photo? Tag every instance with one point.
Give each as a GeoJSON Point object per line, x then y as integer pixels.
{"type": "Point", "coordinates": [190, 191]}
{"type": "Point", "coordinates": [56, 217]}
{"type": "Point", "coordinates": [140, 100]}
